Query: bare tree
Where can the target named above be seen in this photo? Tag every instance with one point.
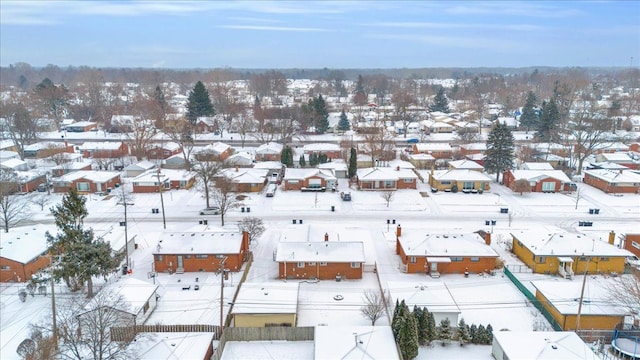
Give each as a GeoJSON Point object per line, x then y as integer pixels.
{"type": "Point", "coordinates": [521, 185]}
{"type": "Point", "coordinates": [589, 131]}
{"type": "Point", "coordinates": [21, 128]}
{"type": "Point", "coordinates": [182, 134]}
{"type": "Point", "coordinates": [403, 99]}
{"type": "Point", "coordinates": [625, 292]}
{"type": "Point", "coordinates": [578, 196]}
{"type": "Point", "coordinates": [37, 346]}
{"type": "Point", "coordinates": [377, 142]}
{"type": "Point", "coordinates": [13, 209]}
{"type": "Point", "coordinates": [387, 196]}
{"type": "Point", "coordinates": [206, 172]}
{"type": "Point", "coordinates": [41, 200]}
{"type": "Point", "coordinates": [224, 196]}
{"type": "Point", "coordinates": [467, 135]}
{"type": "Point", "coordinates": [140, 137]}
{"type": "Point", "coordinates": [374, 305]}
{"type": "Point", "coordinates": [253, 225]}
{"type": "Point", "coordinates": [243, 126]}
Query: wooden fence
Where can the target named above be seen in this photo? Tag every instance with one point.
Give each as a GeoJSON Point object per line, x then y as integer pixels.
{"type": "Point", "coordinates": [127, 333]}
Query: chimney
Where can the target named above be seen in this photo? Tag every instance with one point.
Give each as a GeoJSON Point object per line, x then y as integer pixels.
{"type": "Point", "coordinates": [487, 238]}
{"type": "Point", "coordinates": [236, 168]}
{"type": "Point", "coordinates": [398, 231]}
{"type": "Point", "coordinates": [245, 240]}
{"type": "Point", "coordinates": [66, 144]}
{"type": "Point", "coordinates": [612, 237]}
{"type": "Point", "coordinates": [398, 168]}
{"type": "Point", "coordinates": [326, 236]}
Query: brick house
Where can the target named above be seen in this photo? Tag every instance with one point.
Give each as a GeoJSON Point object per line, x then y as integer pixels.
{"type": "Point", "coordinates": [150, 182]}
{"type": "Point", "coordinates": [623, 181]}
{"type": "Point", "coordinates": [246, 179]}
{"type": "Point", "coordinates": [195, 251]}
{"type": "Point", "coordinates": [206, 124]}
{"type": "Point", "coordinates": [70, 167]}
{"type": "Point", "coordinates": [87, 181]}
{"type": "Point", "coordinates": [307, 252]}
{"type": "Point", "coordinates": [104, 150]}
{"type": "Point", "coordinates": [46, 149]}
{"type": "Point", "coordinates": [465, 165]}
{"type": "Point", "coordinates": [631, 243]}
{"type": "Point", "coordinates": [309, 179]}
{"type": "Point", "coordinates": [437, 150]}
{"type": "Point", "coordinates": [24, 181]}
{"type": "Point", "coordinates": [444, 253]}
{"type": "Point", "coordinates": [180, 179]}
{"type": "Point", "coordinates": [269, 152]}
{"type": "Point", "coordinates": [464, 180]}
{"type": "Point", "coordinates": [473, 148]}
{"type": "Point", "coordinates": [332, 151]}
{"type": "Point", "coordinates": [163, 151]}
{"type": "Point", "coordinates": [218, 151]}
{"type": "Point", "coordinates": [540, 180]}
{"type": "Point", "coordinates": [81, 126]}
{"type": "Point", "coordinates": [24, 253]}
{"type": "Point", "coordinates": [382, 178]}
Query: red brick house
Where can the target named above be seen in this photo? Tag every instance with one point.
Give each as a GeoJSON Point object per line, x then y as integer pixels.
{"type": "Point", "coordinates": [540, 180]}
{"type": "Point", "coordinates": [25, 181]}
{"type": "Point", "coordinates": [81, 126]}
{"type": "Point", "coordinates": [269, 152]}
{"type": "Point", "coordinates": [437, 150]}
{"type": "Point", "coordinates": [309, 179]}
{"type": "Point", "coordinates": [70, 167]}
{"type": "Point", "coordinates": [150, 182]}
{"type": "Point", "coordinates": [247, 179]}
{"type": "Point", "coordinates": [206, 124]}
{"type": "Point", "coordinates": [195, 251]}
{"type": "Point", "coordinates": [382, 178]}
{"type": "Point", "coordinates": [213, 152]}
{"type": "Point", "coordinates": [104, 150]}
{"type": "Point", "coordinates": [87, 181]}
{"type": "Point", "coordinates": [305, 254]}
{"type": "Point", "coordinates": [444, 253]}
{"type": "Point", "coordinates": [473, 148]}
{"type": "Point", "coordinates": [632, 244]}
{"type": "Point", "coordinates": [46, 149]}
{"type": "Point", "coordinates": [163, 151]}
{"type": "Point", "coordinates": [622, 181]}
{"type": "Point", "coordinates": [332, 151]}
{"type": "Point", "coordinates": [24, 253]}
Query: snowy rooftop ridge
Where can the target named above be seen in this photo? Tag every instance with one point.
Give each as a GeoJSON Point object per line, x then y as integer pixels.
{"type": "Point", "coordinates": [418, 243]}
{"type": "Point", "coordinates": [566, 244]}
{"type": "Point", "coordinates": [267, 298]}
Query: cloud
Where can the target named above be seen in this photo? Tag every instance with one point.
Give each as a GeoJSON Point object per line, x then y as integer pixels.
{"type": "Point", "coordinates": [518, 9]}
{"type": "Point", "coordinates": [272, 28]}
{"type": "Point", "coordinates": [447, 41]}
{"type": "Point", "coordinates": [434, 25]}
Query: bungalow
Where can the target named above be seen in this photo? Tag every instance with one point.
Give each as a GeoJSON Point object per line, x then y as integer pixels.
{"type": "Point", "coordinates": [620, 158]}
{"type": "Point", "coordinates": [611, 147]}
{"type": "Point", "coordinates": [163, 151]}
{"type": "Point", "coordinates": [301, 254]}
{"type": "Point", "coordinates": [439, 127]}
{"type": "Point", "coordinates": [567, 254]}
{"type": "Point", "coordinates": [309, 179]}
{"type": "Point", "coordinates": [104, 149]}
{"type": "Point", "coordinates": [437, 150]}
{"type": "Point", "coordinates": [24, 253]}
{"type": "Point", "coordinates": [81, 126]}
{"type": "Point", "coordinates": [265, 304]}
{"type": "Point", "coordinates": [275, 169]}
{"type": "Point", "coordinates": [444, 253]}
{"type": "Point", "coordinates": [354, 342]}
{"type": "Point", "coordinates": [421, 161]}
{"type": "Point", "coordinates": [14, 165]}
{"type": "Point", "coordinates": [540, 166]}
{"type": "Point", "coordinates": [8, 155]}
{"type": "Point", "coordinates": [332, 151]}
{"type": "Point", "coordinates": [246, 179]}
{"type": "Point", "coordinates": [27, 181]}
{"type": "Point", "coordinates": [69, 167]}
{"type": "Point", "coordinates": [177, 345]}
{"type": "Point", "coordinates": [46, 149]}
{"type": "Point", "coordinates": [177, 161]}
{"type": "Point", "coordinates": [436, 297]}
{"type": "Point", "coordinates": [338, 167]}
{"type": "Point", "coordinates": [382, 178]}
{"type": "Point", "coordinates": [87, 181]}
{"type": "Point", "coordinates": [465, 165]}
{"type": "Point", "coordinates": [139, 298]}
{"type": "Point", "coordinates": [546, 345]}
{"type": "Point", "coordinates": [138, 168]}
{"type": "Point", "coordinates": [269, 152]}
{"type": "Point", "coordinates": [180, 179]}
{"type": "Point", "coordinates": [624, 181]}
{"type": "Point", "coordinates": [540, 180]}
{"type": "Point", "coordinates": [217, 151]}
{"type": "Point", "coordinates": [462, 180]}
{"type": "Point", "coordinates": [206, 124]}
{"type": "Point", "coordinates": [562, 300]}
{"type": "Point", "coordinates": [195, 251]}
{"type": "Point", "coordinates": [241, 159]}
{"type": "Point", "coordinates": [151, 181]}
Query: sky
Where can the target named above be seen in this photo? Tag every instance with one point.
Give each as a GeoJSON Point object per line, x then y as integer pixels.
{"type": "Point", "coordinates": [319, 34]}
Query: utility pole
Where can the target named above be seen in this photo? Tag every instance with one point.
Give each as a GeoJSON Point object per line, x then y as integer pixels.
{"type": "Point", "coordinates": [222, 262]}
{"type": "Point", "coordinates": [53, 305]}
{"type": "Point", "coordinates": [164, 220]}
{"type": "Point", "coordinates": [125, 198]}
{"type": "Point", "coordinates": [584, 282]}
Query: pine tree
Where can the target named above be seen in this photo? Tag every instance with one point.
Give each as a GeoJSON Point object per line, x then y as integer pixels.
{"type": "Point", "coordinates": [529, 116]}
{"type": "Point", "coordinates": [353, 163]}
{"type": "Point", "coordinates": [444, 331]}
{"type": "Point", "coordinates": [500, 149]}
{"type": "Point", "coordinates": [400, 313]}
{"type": "Point", "coordinates": [199, 103]}
{"type": "Point", "coordinates": [479, 335]}
{"type": "Point", "coordinates": [286, 156]}
{"type": "Point", "coordinates": [313, 159]}
{"type": "Point", "coordinates": [408, 340]}
{"type": "Point", "coordinates": [488, 335]}
{"type": "Point", "coordinates": [431, 328]}
{"type": "Point", "coordinates": [464, 335]}
{"type": "Point", "coordinates": [343, 123]}
{"type": "Point", "coordinates": [549, 121]}
{"type": "Point", "coordinates": [422, 315]}
{"type": "Point", "coordinates": [302, 161]}
{"type": "Point", "coordinates": [322, 121]}
{"type": "Point", "coordinates": [81, 255]}
{"type": "Point", "coordinates": [440, 102]}
{"type": "Point", "coordinates": [472, 333]}
{"type": "Point", "coordinates": [322, 158]}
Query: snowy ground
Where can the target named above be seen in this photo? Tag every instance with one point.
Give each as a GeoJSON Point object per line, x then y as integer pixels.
{"type": "Point", "coordinates": [488, 299]}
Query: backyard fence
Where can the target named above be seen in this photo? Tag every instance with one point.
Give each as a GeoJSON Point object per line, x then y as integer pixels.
{"type": "Point", "coordinates": [127, 333]}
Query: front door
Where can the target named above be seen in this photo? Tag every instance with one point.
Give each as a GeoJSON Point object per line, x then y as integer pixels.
{"type": "Point", "coordinates": [180, 265]}
{"type": "Point", "coordinates": [434, 267]}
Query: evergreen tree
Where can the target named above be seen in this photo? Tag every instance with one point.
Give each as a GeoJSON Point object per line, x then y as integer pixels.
{"type": "Point", "coordinates": [431, 328]}
{"type": "Point", "coordinates": [302, 161]}
{"type": "Point", "coordinates": [529, 116]}
{"type": "Point", "coordinates": [286, 156]}
{"type": "Point", "coordinates": [343, 123]}
{"type": "Point", "coordinates": [408, 339]}
{"type": "Point", "coordinates": [353, 163]}
{"type": "Point", "coordinates": [313, 159]}
{"type": "Point", "coordinates": [444, 331]}
{"type": "Point", "coordinates": [549, 121]}
{"type": "Point", "coordinates": [479, 335]}
{"type": "Point", "coordinates": [322, 158]}
{"type": "Point", "coordinates": [500, 149]}
{"type": "Point", "coordinates": [81, 255]}
{"type": "Point", "coordinates": [316, 110]}
{"type": "Point", "coordinates": [422, 315]}
{"type": "Point", "coordinates": [440, 102]}
{"type": "Point", "coordinates": [464, 334]}
{"type": "Point", "coordinates": [472, 333]}
{"type": "Point", "coordinates": [488, 338]}
{"type": "Point", "coordinates": [199, 103]}
{"type": "Point", "coordinates": [398, 319]}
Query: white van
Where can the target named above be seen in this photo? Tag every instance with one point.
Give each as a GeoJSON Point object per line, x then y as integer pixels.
{"type": "Point", "coordinates": [271, 190]}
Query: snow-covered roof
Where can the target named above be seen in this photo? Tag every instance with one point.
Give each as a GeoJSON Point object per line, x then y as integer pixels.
{"type": "Point", "coordinates": [23, 244]}
{"type": "Point", "coordinates": [419, 242]}
{"type": "Point", "coordinates": [543, 345]}
{"type": "Point", "coordinates": [536, 175]}
{"type": "Point", "coordinates": [267, 298]}
{"type": "Point", "coordinates": [615, 177]}
{"type": "Point", "coordinates": [354, 342]}
{"type": "Point", "coordinates": [44, 145]}
{"type": "Point", "coordinates": [536, 166]}
{"type": "Point", "coordinates": [177, 174]}
{"type": "Point", "coordinates": [267, 165]}
{"type": "Point", "coordinates": [426, 147]}
{"type": "Point", "coordinates": [299, 174]}
{"type": "Point", "coordinates": [336, 165]}
{"type": "Point", "coordinates": [619, 157]}
{"type": "Point", "coordinates": [460, 175]}
{"type": "Point", "coordinates": [541, 243]}
{"type": "Point", "coordinates": [395, 163]}
{"type": "Point", "coordinates": [321, 251]}
{"type": "Point", "coordinates": [152, 177]}
{"type": "Point", "coordinates": [215, 148]}
{"type": "Point", "coordinates": [6, 155]}
{"type": "Point", "coordinates": [565, 296]}
{"type": "Point", "coordinates": [134, 292]}
{"type": "Point", "coordinates": [141, 165]}
{"type": "Point", "coordinates": [91, 175]}
{"type": "Point", "coordinates": [245, 175]}
{"type": "Point", "coordinates": [172, 345]}
{"type": "Point", "coordinates": [14, 164]}
{"type": "Point", "coordinates": [384, 173]}
{"type": "Point", "coordinates": [199, 242]}
{"type": "Point", "coordinates": [72, 165]}
{"type": "Point", "coordinates": [168, 145]}
{"type": "Point", "coordinates": [321, 147]}
{"type": "Point", "coordinates": [421, 157]}
{"type": "Point", "coordinates": [100, 145]}
{"type": "Point", "coordinates": [82, 123]}
{"type": "Point", "coordinates": [269, 148]}
{"type": "Point", "coordinates": [465, 164]}
{"type": "Point", "coordinates": [242, 158]}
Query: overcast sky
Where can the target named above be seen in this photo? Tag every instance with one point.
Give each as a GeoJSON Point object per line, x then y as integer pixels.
{"type": "Point", "coordinates": [343, 34]}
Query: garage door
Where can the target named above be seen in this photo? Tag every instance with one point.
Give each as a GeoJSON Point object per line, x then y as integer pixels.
{"type": "Point", "coordinates": [315, 183]}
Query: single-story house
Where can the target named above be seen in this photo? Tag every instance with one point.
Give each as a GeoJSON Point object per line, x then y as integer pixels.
{"type": "Point", "coordinates": [23, 181]}
{"type": "Point", "coordinates": [176, 161]}
{"type": "Point", "coordinates": [540, 180]}
{"type": "Point", "coordinates": [275, 169]}
{"type": "Point", "coordinates": [444, 253]}
{"type": "Point", "coordinates": [306, 252]}
{"type": "Point", "coordinates": [436, 297]}
{"type": "Point", "coordinates": [217, 151]}
{"type": "Point", "coordinates": [438, 127]}
{"type": "Point", "coordinates": [309, 179]}
{"type": "Point", "coordinates": [151, 181]}
{"type": "Point", "coordinates": [176, 345]}
{"type": "Point", "coordinates": [472, 148]}
{"type": "Point", "coordinates": [46, 149]}
{"type": "Point", "coordinates": [384, 178]}
{"type": "Point", "coordinates": [540, 166]}
{"type": "Point", "coordinates": [437, 150]}
{"type": "Point", "coordinates": [269, 152]}
{"type": "Point", "coordinates": [611, 147]}
{"type": "Point", "coordinates": [163, 151]}
{"type": "Point", "coordinates": [562, 300]}
{"type": "Point", "coordinates": [246, 179]}
{"type": "Point", "coordinates": [14, 165]}
{"type": "Point", "coordinates": [194, 251]}
{"type": "Point", "coordinates": [104, 149]}
{"type": "Point", "coordinates": [624, 181]}
{"type": "Point", "coordinates": [465, 165]}
{"type": "Point", "coordinates": [69, 167]}
{"type": "Point", "coordinates": [24, 253]}
{"type": "Point", "coordinates": [139, 297]}
{"type": "Point", "coordinates": [138, 168]}
{"type": "Point", "coordinates": [540, 345]}
{"type": "Point", "coordinates": [87, 181]}
{"type": "Point", "coordinates": [206, 124]}
{"type": "Point", "coordinates": [620, 158]}
{"type": "Point", "coordinates": [338, 167]}
{"type": "Point", "coordinates": [332, 151]}
{"type": "Point", "coordinates": [567, 254]}
{"type": "Point", "coordinates": [421, 161]}
{"type": "Point", "coordinates": [265, 304]}
{"type": "Point", "coordinates": [241, 159]}
{"type": "Point", "coordinates": [631, 243]}
{"type": "Point", "coordinates": [354, 342]}
{"type": "Point", "coordinates": [81, 126]}
{"type": "Point", "coordinates": [464, 180]}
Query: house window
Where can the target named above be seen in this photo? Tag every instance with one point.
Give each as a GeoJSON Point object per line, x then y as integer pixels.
{"type": "Point", "coordinates": [548, 186]}
{"type": "Point", "coordinates": [604, 259]}
{"type": "Point", "coordinates": [312, 263]}
{"type": "Point", "coordinates": [413, 259]}
{"type": "Point", "coordinates": [445, 182]}
{"type": "Point", "coordinates": [5, 267]}
{"type": "Point", "coordinates": [542, 259]}
{"type": "Point", "coordinates": [389, 184]}
{"type": "Point", "coordinates": [292, 181]}
{"type": "Point", "coordinates": [475, 259]}
{"type": "Point", "coordinates": [187, 256]}
{"type": "Point", "coordinates": [467, 185]}
{"type": "Point", "coordinates": [202, 256]}
{"type": "Point", "coordinates": [83, 186]}
{"type": "Point", "coordinates": [407, 181]}
{"type": "Point", "coordinates": [456, 258]}
{"type": "Point", "coordinates": [355, 265]}
{"type": "Point", "coordinates": [158, 257]}
{"type": "Point", "coordinates": [324, 263]}
{"type": "Point", "coordinates": [301, 264]}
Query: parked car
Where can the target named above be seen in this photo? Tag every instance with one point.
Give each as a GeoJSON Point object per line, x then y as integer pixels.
{"type": "Point", "coordinates": [271, 190]}
{"type": "Point", "coordinates": [345, 196]}
{"type": "Point", "coordinates": [212, 210]}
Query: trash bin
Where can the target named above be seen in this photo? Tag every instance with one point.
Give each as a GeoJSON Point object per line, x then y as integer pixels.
{"type": "Point", "coordinates": [590, 211]}
{"type": "Point", "coordinates": [248, 209]}
{"type": "Point", "coordinates": [300, 221]}
{"type": "Point", "coordinates": [294, 221]}
{"type": "Point", "coordinates": [205, 222]}
{"type": "Point", "coordinates": [125, 269]}
{"type": "Point", "coordinates": [487, 222]}
{"type": "Point", "coordinates": [333, 208]}
{"type": "Point", "coordinates": [242, 209]}
{"type": "Point", "coordinates": [596, 211]}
